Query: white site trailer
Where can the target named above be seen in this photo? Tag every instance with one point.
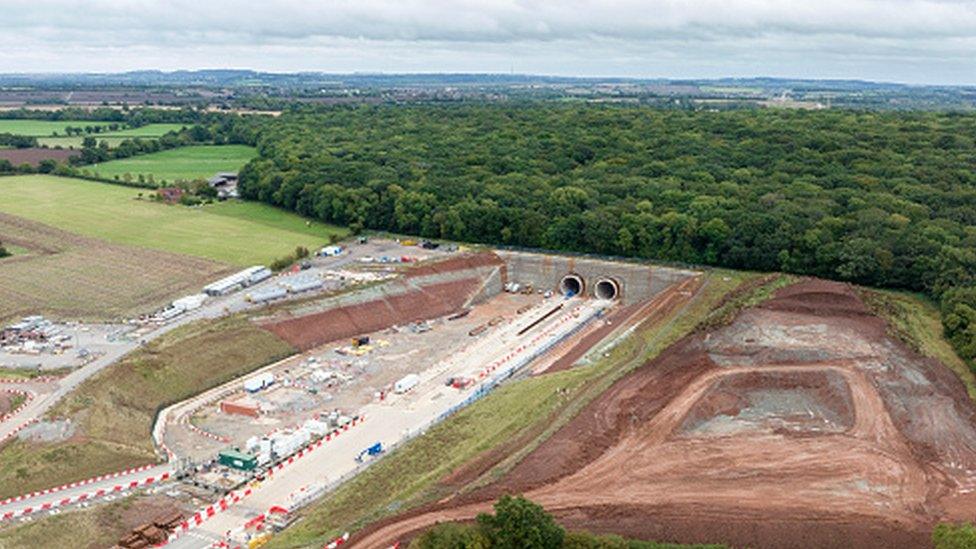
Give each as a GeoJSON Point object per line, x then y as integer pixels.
{"type": "Point", "coordinates": [406, 383]}
{"type": "Point", "coordinates": [259, 382]}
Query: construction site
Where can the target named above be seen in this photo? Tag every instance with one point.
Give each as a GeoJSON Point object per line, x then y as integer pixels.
{"type": "Point", "coordinates": [382, 363]}
{"type": "Point", "coordinates": [800, 410]}
{"type": "Point", "coordinates": [802, 422]}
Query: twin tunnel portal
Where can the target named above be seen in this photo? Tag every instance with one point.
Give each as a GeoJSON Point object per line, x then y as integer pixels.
{"type": "Point", "coordinates": [603, 287]}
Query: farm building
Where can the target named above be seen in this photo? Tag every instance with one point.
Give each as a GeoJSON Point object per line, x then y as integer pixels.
{"type": "Point", "coordinates": [225, 183]}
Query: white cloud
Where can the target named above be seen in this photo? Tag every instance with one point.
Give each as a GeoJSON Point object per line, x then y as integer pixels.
{"type": "Point", "coordinates": [905, 40]}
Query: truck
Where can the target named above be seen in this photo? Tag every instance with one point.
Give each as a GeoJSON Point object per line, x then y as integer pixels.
{"type": "Point", "coordinates": [406, 383]}
{"type": "Point", "coordinates": [259, 382]}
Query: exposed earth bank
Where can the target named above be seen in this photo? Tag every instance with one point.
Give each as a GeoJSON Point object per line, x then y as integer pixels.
{"type": "Point", "coordinates": [800, 424]}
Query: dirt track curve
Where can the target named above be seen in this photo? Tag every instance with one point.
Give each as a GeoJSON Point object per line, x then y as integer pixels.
{"type": "Point", "coordinates": [801, 424]}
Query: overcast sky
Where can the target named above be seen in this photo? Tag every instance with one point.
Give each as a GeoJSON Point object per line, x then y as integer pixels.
{"type": "Point", "coordinates": [914, 41]}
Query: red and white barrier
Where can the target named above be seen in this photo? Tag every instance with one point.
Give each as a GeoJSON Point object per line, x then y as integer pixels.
{"type": "Point", "coordinates": [28, 396]}
{"type": "Point", "coordinates": [213, 436]}
{"type": "Point", "coordinates": [488, 370]}
{"type": "Point", "coordinates": [78, 498]}
{"type": "Point", "coordinates": [19, 428]}
{"type": "Point", "coordinates": [231, 499]}
{"type": "Point", "coordinates": [40, 379]}
{"type": "Point", "coordinates": [337, 542]}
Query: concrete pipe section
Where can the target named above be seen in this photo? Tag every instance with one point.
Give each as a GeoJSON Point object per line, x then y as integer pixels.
{"type": "Point", "coordinates": [606, 288]}
{"type": "Point", "coordinates": [572, 284]}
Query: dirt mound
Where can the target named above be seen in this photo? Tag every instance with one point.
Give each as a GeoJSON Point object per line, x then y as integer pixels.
{"type": "Point", "coordinates": [801, 424]}
{"type": "Point", "coordinates": [785, 402]}
{"type": "Point", "coordinates": [460, 263]}
{"type": "Point", "coordinates": [818, 297]}
{"type": "Point", "coordinates": [413, 304]}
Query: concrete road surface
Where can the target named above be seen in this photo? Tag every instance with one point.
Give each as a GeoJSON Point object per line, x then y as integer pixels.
{"type": "Point", "coordinates": [87, 492]}
{"type": "Point", "coordinates": [396, 419]}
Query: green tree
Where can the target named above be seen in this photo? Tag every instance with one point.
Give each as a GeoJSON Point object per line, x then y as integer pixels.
{"type": "Point", "coordinates": [451, 536]}
{"type": "Point", "coordinates": [521, 524]}
{"type": "Point", "coordinates": [949, 536]}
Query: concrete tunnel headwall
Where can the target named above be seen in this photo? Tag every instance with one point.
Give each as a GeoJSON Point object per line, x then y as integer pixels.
{"type": "Point", "coordinates": [626, 282]}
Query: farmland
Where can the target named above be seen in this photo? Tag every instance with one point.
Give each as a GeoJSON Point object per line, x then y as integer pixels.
{"type": "Point", "coordinates": [219, 232]}
{"type": "Point", "coordinates": [44, 128]}
{"type": "Point", "coordinates": [149, 131]}
{"type": "Point", "coordinates": [56, 272]}
{"type": "Point", "coordinates": [195, 162]}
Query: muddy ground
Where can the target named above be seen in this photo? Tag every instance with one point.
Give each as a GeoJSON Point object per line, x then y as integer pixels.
{"type": "Point", "coordinates": [800, 424]}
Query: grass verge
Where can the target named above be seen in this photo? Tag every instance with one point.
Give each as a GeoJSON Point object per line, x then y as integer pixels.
{"type": "Point", "coordinates": [92, 528]}
{"type": "Point", "coordinates": [112, 412]}
{"type": "Point", "coordinates": [410, 476]}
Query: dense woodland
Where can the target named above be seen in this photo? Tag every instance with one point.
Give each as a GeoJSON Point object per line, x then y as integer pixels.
{"type": "Point", "coordinates": [883, 199]}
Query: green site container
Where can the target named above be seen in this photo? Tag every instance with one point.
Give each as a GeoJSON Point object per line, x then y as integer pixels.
{"type": "Point", "coordinates": [237, 460]}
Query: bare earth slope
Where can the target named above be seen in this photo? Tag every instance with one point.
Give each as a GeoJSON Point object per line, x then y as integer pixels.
{"type": "Point", "coordinates": [801, 424]}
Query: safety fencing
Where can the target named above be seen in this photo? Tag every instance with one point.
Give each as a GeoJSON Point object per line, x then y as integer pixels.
{"type": "Point", "coordinates": [39, 379]}
{"type": "Point", "coordinates": [235, 497]}
{"type": "Point", "coordinates": [28, 396]}
{"type": "Point", "coordinates": [76, 484]}
{"type": "Point", "coordinates": [482, 390]}
{"type": "Point", "coordinates": [79, 498]}
{"type": "Point", "coordinates": [202, 432]}
{"type": "Point", "coordinates": [19, 428]}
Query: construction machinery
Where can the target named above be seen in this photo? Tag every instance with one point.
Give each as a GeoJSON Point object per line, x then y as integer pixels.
{"type": "Point", "coordinates": [371, 451]}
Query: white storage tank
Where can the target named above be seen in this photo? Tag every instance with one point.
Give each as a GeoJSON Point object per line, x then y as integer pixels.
{"type": "Point", "coordinates": [406, 383]}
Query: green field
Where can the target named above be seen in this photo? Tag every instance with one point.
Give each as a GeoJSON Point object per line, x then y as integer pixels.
{"type": "Point", "coordinates": [240, 234]}
{"type": "Point", "coordinates": [113, 138]}
{"type": "Point", "coordinates": [45, 128]}
{"type": "Point", "coordinates": [197, 162]}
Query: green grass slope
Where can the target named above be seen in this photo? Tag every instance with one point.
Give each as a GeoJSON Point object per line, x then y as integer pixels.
{"type": "Point", "coordinates": [239, 234]}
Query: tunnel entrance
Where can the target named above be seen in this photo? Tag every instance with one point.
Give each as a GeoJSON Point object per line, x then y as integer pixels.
{"type": "Point", "coordinates": [606, 288]}
{"type": "Point", "coordinates": [571, 285]}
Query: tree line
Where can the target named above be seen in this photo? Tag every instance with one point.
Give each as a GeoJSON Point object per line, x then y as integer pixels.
{"type": "Point", "coordinates": [882, 199]}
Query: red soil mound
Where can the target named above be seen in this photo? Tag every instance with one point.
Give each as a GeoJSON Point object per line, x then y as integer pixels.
{"type": "Point", "coordinates": [426, 302]}
{"type": "Point", "coordinates": [459, 263]}
{"type": "Point", "coordinates": [901, 456]}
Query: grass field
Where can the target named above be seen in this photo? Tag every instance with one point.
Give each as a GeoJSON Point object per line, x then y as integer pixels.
{"type": "Point", "coordinates": [196, 162]}
{"type": "Point", "coordinates": [44, 128]}
{"type": "Point", "coordinates": [113, 138]}
{"type": "Point", "coordinates": [113, 411]}
{"type": "Point", "coordinates": [536, 407]}
{"type": "Point", "coordinates": [238, 234]}
{"type": "Point", "coordinates": [58, 273]}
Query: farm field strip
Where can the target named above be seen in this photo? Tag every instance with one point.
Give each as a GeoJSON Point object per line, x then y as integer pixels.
{"type": "Point", "coordinates": [193, 162]}
{"type": "Point", "coordinates": [114, 214]}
